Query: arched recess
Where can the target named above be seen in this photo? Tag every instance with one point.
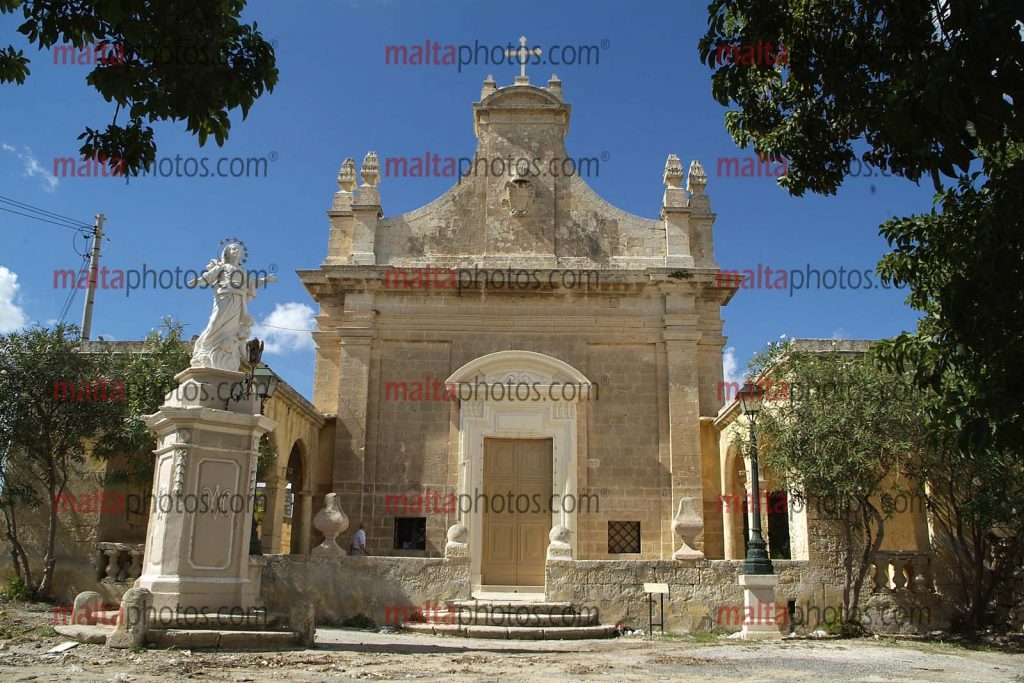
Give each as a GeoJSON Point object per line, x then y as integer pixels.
{"type": "Point", "coordinates": [734, 508]}
{"type": "Point", "coordinates": [500, 415]}
{"type": "Point", "coordinates": [296, 502]}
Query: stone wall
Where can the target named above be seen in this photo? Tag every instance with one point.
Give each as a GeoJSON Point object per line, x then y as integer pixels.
{"type": "Point", "coordinates": [705, 595]}
{"type": "Point", "coordinates": [377, 587]}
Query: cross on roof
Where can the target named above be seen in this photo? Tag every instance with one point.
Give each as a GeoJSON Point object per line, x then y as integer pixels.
{"type": "Point", "coordinates": [523, 55]}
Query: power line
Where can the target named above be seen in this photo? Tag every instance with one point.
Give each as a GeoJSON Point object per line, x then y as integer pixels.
{"type": "Point", "coordinates": [63, 225]}
{"type": "Point", "coordinates": [51, 214]}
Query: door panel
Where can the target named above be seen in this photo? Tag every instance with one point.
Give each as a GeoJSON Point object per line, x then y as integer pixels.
{"type": "Point", "coordinates": [516, 471]}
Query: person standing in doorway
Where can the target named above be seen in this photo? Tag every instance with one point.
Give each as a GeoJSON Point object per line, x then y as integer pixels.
{"type": "Point", "coordinates": [359, 541]}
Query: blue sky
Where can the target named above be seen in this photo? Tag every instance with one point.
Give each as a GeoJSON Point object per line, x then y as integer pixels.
{"type": "Point", "coordinates": [647, 96]}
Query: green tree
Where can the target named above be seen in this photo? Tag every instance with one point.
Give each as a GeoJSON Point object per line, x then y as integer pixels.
{"type": "Point", "coordinates": [159, 60]}
{"type": "Point", "coordinates": [61, 403]}
{"type": "Point", "coordinates": [148, 376]}
{"type": "Point", "coordinates": [921, 88]}
{"type": "Point", "coordinates": [51, 411]}
{"type": "Point", "coordinates": [963, 353]}
{"type": "Point", "coordinates": [840, 431]}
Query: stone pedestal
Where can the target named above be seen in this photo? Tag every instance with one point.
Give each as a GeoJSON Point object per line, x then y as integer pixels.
{"type": "Point", "coordinates": [197, 542]}
{"type": "Point", "coordinates": [760, 615]}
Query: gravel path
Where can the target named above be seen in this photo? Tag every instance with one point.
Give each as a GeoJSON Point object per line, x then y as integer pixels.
{"type": "Point", "coordinates": [344, 654]}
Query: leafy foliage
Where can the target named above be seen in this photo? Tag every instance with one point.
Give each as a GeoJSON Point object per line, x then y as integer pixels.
{"type": "Point", "coordinates": [148, 377]}
{"type": "Point", "coordinates": [843, 431]}
{"type": "Point", "coordinates": [919, 88]}
{"type": "Point", "coordinates": [46, 431]}
{"type": "Point", "coordinates": [166, 61]}
{"type": "Point", "coordinates": [922, 82]}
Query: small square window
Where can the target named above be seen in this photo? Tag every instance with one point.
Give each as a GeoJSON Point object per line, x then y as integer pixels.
{"type": "Point", "coordinates": [623, 537]}
{"type": "Point", "coordinates": [410, 533]}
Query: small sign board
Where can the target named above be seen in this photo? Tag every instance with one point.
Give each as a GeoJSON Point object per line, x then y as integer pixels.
{"type": "Point", "coordinates": [656, 588]}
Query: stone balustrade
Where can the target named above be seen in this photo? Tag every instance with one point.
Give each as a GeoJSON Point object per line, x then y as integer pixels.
{"type": "Point", "coordinates": [119, 562]}
{"type": "Point", "coordinates": [899, 570]}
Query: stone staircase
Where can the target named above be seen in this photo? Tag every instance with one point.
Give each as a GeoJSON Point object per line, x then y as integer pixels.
{"type": "Point", "coordinates": [259, 630]}
{"type": "Point", "coordinates": [510, 619]}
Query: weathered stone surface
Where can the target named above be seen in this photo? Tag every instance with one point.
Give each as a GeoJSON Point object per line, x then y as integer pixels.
{"type": "Point", "coordinates": [95, 635]}
{"type": "Point", "coordinates": [133, 621]}
{"type": "Point", "coordinates": [86, 608]}
{"type": "Point", "coordinates": [302, 620]}
{"type": "Point", "coordinates": [346, 586]}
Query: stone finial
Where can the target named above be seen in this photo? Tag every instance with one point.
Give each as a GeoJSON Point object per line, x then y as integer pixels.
{"type": "Point", "coordinates": [132, 620]}
{"type": "Point", "coordinates": [458, 541]}
{"type": "Point", "coordinates": [489, 86]}
{"type": "Point", "coordinates": [555, 86]}
{"type": "Point", "coordinates": [347, 175]}
{"type": "Point", "coordinates": [87, 607]}
{"type": "Point", "coordinates": [696, 179]}
{"type": "Point", "coordinates": [330, 521]}
{"type": "Point", "coordinates": [673, 171]}
{"type": "Point", "coordinates": [370, 170]}
{"type": "Point", "coordinates": [560, 547]}
{"type": "Point", "coordinates": [687, 525]}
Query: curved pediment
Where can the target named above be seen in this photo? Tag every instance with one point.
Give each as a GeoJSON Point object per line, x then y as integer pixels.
{"type": "Point", "coordinates": [519, 366]}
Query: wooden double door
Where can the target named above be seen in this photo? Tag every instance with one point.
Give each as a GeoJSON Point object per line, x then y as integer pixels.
{"type": "Point", "coordinates": [516, 511]}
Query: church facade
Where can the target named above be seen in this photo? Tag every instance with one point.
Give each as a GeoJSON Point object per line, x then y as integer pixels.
{"type": "Point", "coordinates": [521, 343]}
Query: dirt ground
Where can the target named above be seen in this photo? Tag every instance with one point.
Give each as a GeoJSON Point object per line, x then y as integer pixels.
{"type": "Point", "coordinates": [346, 654]}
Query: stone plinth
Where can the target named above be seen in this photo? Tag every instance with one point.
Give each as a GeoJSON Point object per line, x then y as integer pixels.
{"type": "Point", "coordinates": [760, 616]}
{"type": "Point", "coordinates": [197, 542]}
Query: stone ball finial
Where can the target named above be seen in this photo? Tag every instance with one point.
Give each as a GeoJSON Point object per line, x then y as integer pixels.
{"type": "Point", "coordinates": [458, 533]}
{"type": "Point", "coordinates": [560, 547]}
{"type": "Point", "coordinates": [370, 170]}
{"type": "Point", "coordinates": [347, 175]}
{"type": "Point", "coordinates": [696, 179]}
{"type": "Point", "coordinates": [673, 171]}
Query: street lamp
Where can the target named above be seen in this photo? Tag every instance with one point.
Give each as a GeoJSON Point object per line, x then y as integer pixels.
{"type": "Point", "coordinates": [757, 560]}
{"type": "Point", "coordinates": [265, 383]}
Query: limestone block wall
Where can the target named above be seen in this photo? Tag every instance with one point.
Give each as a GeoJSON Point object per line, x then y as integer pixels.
{"type": "Point", "coordinates": [704, 595]}
{"type": "Point", "coordinates": [412, 445]}
{"type": "Point", "coordinates": [373, 586]}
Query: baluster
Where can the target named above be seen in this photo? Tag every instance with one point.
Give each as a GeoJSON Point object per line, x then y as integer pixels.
{"type": "Point", "coordinates": [135, 569]}
{"type": "Point", "coordinates": [112, 568]}
{"type": "Point", "coordinates": [899, 576]}
{"type": "Point", "coordinates": [881, 574]}
{"type": "Point", "coordinates": [122, 575]}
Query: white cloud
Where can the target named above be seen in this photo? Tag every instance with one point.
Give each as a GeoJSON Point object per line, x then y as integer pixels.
{"type": "Point", "coordinates": [840, 334]}
{"type": "Point", "coordinates": [12, 316]}
{"type": "Point", "coordinates": [287, 328]}
{"type": "Point", "coordinates": [32, 167]}
{"type": "Point", "coordinates": [730, 366]}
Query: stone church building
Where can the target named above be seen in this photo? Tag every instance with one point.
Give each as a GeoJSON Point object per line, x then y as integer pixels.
{"type": "Point", "coordinates": [552, 286]}
{"type": "Point", "coordinates": [518, 390]}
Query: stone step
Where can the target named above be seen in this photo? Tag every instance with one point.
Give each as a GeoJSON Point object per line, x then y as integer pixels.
{"type": "Point", "coordinates": [468, 617]}
{"type": "Point", "coordinates": [514, 632]}
{"type": "Point", "coordinates": [84, 633]}
{"type": "Point", "coordinates": [225, 640]}
{"type": "Point", "coordinates": [222, 621]}
{"type": "Point", "coordinates": [249, 621]}
{"type": "Point", "coordinates": [535, 606]}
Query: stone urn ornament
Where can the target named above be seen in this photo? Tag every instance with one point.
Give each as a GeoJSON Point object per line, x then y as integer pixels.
{"type": "Point", "coordinates": [560, 547]}
{"type": "Point", "coordinates": [458, 541]}
{"type": "Point", "coordinates": [687, 525]}
{"type": "Point", "coordinates": [330, 521]}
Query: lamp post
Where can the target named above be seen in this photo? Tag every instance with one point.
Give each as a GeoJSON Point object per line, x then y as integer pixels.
{"type": "Point", "coordinates": [757, 560]}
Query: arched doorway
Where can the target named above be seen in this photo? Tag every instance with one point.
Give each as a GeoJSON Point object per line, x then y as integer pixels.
{"type": "Point", "coordinates": [540, 434]}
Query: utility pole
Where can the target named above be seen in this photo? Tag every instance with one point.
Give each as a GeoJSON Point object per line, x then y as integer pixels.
{"type": "Point", "coordinates": [94, 265]}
